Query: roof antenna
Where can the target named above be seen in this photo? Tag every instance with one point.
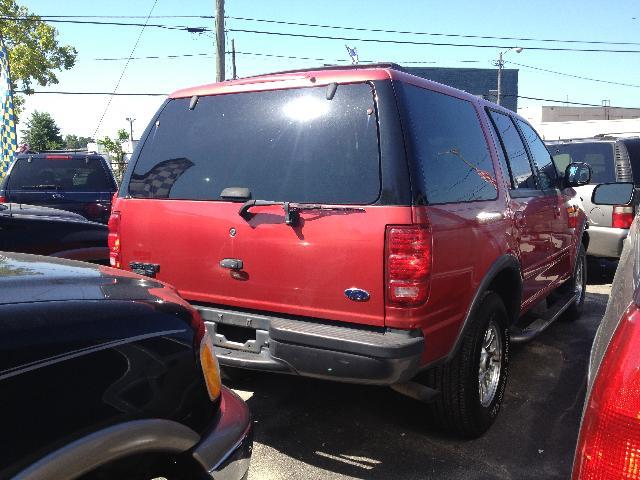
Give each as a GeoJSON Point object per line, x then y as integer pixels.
{"type": "Point", "coordinates": [353, 53]}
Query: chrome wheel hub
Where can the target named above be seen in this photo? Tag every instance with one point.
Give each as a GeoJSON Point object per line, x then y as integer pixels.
{"type": "Point", "coordinates": [490, 364]}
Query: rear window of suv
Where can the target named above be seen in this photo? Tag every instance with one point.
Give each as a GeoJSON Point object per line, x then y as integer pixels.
{"type": "Point", "coordinates": [74, 174]}
{"type": "Point", "coordinates": [633, 147]}
{"type": "Point", "coordinates": [597, 154]}
{"type": "Point", "coordinates": [283, 145]}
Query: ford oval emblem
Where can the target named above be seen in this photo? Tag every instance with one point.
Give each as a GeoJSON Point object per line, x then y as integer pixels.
{"type": "Point", "coordinates": [357, 294]}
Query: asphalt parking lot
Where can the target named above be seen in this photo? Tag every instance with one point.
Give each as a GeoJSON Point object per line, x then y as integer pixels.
{"type": "Point", "coordinates": [310, 429]}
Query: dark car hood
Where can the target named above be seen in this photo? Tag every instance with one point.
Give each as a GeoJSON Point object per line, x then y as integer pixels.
{"type": "Point", "coordinates": [33, 278]}
{"type": "Point", "coordinates": [35, 210]}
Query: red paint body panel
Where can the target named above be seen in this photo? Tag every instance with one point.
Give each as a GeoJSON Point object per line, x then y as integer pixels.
{"type": "Point", "coordinates": [305, 270]}
{"type": "Point", "coordinates": [464, 248]}
{"type": "Point", "coordinates": [299, 271]}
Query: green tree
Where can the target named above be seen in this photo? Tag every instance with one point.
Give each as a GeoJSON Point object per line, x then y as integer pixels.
{"type": "Point", "coordinates": [35, 54]}
{"type": "Point", "coordinates": [42, 133]}
{"type": "Point", "coordinates": [113, 146]}
{"type": "Point", "coordinates": [74, 142]}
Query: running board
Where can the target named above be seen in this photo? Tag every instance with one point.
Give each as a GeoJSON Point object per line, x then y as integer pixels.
{"type": "Point", "coordinates": [535, 328]}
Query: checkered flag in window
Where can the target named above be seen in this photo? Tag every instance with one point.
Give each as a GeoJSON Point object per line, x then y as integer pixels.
{"type": "Point", "coordinates": [158, 182]}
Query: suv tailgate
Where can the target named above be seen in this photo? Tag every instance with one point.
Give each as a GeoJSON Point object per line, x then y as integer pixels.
{"type": "Point", "coordinates": [301, 145]}
{"type": "Point", "coordinates": [302, 270]}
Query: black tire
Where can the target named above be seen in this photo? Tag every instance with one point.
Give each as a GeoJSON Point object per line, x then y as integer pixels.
{"type": "Point", "coordinates": [459, 408]}
{"type": "Point", "coordinates": [579, 277]}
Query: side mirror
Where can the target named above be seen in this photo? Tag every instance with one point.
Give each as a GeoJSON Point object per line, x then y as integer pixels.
{"type": "Point", "coordinates": [613, 194]}
{"type": "Point", "coordinates": [577, 173]}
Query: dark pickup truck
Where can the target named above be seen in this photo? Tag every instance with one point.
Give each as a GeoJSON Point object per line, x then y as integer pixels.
{"type": "Point", "coordinates": [106, 374]}
{"type": "Point", "coordinates": [78, 182]}
{"type": "Point", "coordinates": [48, 231]}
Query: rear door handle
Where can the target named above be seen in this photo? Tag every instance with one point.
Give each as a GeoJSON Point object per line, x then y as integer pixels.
{"type": "Point", "coordinates": [231, 263]}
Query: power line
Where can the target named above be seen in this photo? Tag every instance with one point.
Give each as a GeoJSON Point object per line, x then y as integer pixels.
{"type": "Point", "coordinates": [192, 29]}
{"type": "Point", "coordinates": [129, 16]}
{"type": "Point", "coordinates": [568, 102]}
{"type": "Point", "coordinates": [439, 44]}
{"type": "Point", "coordinates": [402, 32]}
{"type": "Point", "coordinates": [124, 69]}
{"type": "Point", "coordinates": [576, 76]}
{"type": "Point", "coordinates": [153, 57]}
{"type": "Point", "coordinates": [117, 94]}
{"type": "Point", "coordinates": [341, 60]}
{"type": "Point", "coordinates": [358, 29]}
{"type": "Point", "coordinates": [268, 55]}
{"type": "Point", "coordinates": [185, 28]}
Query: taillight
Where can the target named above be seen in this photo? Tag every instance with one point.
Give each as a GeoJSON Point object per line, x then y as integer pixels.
{"type": "Point", "coordinates": [114, 240]}
{"type": "Point", "coordinates": [408, 254]}
{"type": "Point", "coordinates": [609, 442]}
{"type": "Point", "coordinates": [622, 217]}
{"type": "Point", "coordinates": [58, 157]}
{"type": "Point", "coordinates": [572, 213]}
{"type": "Point", "coordinates": [3, 199]}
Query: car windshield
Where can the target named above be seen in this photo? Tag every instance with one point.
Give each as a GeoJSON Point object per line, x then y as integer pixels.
{"type": "Point", "coordinates": [300, 145]}
{"type": "Point", "coordinates": [599, 155]}
{"type": "Point", "coordinates": [79, 174]}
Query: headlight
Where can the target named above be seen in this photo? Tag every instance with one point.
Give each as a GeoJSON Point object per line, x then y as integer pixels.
{"type": "Point", "coordinates": [210, 367]}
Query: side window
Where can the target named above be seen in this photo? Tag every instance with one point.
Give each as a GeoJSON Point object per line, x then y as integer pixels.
{"type": "Point", "coordinates": [449, 147]}
{"type": "Point", "coordinates": [521, 172]}
{"type": "Point", "coordinates": [501, 155]}
{"type": "Point", "coordinates": [547, 175]}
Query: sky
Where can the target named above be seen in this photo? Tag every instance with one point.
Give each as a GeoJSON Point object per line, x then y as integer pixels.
{"type": "Point", "coordinates": [583, 20]}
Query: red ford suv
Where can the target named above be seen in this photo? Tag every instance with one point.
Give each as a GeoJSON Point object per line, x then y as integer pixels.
{"type": "Point", "coordinates": [357, 224]}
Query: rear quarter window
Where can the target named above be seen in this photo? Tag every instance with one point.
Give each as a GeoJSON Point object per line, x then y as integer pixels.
{"type": "Point", "coordinates": [448, 146]}
{"type": "Point", "coordinates": [283, 145]}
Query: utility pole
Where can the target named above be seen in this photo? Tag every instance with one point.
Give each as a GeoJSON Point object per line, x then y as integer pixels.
{"type": "Point", "coordinates": [500, 64]}
{"type": "Point", "coordinates": [131, 120]}
{"type": "Point", "coordinates": [219, 40]}
{"type": "Point", "coordinates": [233, 59]}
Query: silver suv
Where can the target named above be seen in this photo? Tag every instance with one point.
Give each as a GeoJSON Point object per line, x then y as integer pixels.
{"type": "Point", "coordinates": [612, 160]}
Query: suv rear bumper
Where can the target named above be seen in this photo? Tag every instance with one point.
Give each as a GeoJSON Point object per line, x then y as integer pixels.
{"type": "Point", "coordinates": [344, 352]}
{"type": "Point", "coordinates": [606, 241]}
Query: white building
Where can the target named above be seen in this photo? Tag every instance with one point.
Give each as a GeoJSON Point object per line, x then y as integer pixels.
{"type": "Point", "coordinates": [559, 122]}
{"type": "Point", "coordinates": [545, 113]}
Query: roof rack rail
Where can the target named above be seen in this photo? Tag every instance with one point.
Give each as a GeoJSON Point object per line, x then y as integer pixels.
{"type": "Point", "coordinates": [71, 150]}
{"type": "Point", "coordinates": [390, 65]}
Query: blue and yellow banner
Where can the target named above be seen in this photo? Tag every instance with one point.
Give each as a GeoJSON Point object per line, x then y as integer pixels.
{"type": "Point", "coordinates": [8, 138]}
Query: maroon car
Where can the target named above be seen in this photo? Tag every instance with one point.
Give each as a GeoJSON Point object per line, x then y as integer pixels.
{"type": "Point", "coordinates": [357, 224]}
{"type": "Point", "coordinates": [609, 442]}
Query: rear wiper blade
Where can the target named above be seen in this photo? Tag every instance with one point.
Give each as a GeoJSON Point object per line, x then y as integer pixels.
{"type": "Point", "coordinates": [338, 208]}
{"type": "Point", "coordinates": [291, 209]}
